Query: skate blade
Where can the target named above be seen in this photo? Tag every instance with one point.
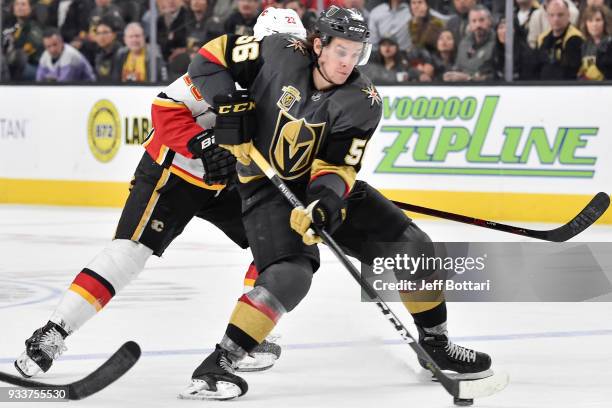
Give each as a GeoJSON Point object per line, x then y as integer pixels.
{"type": "Point", "coordinates": [26, 366]}
{"type": "Point", "coordinates": [256, 362]}
{"type": "Point", "coordinates": [484, 387]}
{"type": "Point", "coordinates": [197, 390]}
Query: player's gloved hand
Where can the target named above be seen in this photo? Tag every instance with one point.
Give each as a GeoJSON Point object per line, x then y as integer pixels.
{"type": "Point", "coordinates": [219, 164]}
{"type": "Point", "coordinates": [325, 210]}
{"type": "Point", "coordinates": [235, 124]}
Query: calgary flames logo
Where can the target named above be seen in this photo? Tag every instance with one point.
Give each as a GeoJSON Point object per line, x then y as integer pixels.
{"type": "Point", "coordinates": [295, 145]}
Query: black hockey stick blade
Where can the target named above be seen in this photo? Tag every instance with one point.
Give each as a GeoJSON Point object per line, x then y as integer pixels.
{"type": "Point", "coordinates": [585, 218]}
{"type": "Point", "coordinates": [591, 213]}
{"type": "Point", "coordinates": [118, 364]}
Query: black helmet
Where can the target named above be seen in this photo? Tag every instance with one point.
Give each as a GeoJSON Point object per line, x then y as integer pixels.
{"type": "Point", "coordinates": [344, 23]}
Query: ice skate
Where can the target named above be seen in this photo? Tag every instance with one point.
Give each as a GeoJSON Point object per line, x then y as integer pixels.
{"type": "Point", "coordinates": [214, 379]}
{"type": "Point", "coordinates": [263, 357]}
{"type": "Point", "coordinates": [467, 363]}
{"type": "Point", "coordinates": [45, 345]}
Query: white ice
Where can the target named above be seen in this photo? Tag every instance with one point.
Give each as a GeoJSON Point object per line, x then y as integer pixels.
{"type": "Point", "coordinates": [337, 352]}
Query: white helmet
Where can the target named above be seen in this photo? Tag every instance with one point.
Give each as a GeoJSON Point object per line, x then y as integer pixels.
{"type": "Point", "coordinates": [275, 20]}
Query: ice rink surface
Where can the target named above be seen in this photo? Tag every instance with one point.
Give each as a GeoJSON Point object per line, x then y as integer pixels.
{"type": "Point", "coordinates": [338, 351]}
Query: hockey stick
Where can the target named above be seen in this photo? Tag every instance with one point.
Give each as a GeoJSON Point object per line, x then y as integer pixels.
{"type": "Point", "coordinates": [118, 364]}
{"type": "Point", "coordinates": [585, 218]}
{"type": "Point", "coordinates": [462, 390]}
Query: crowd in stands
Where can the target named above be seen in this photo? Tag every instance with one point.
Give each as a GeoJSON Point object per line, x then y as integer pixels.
{"type": "Point", "coordinates": [107, 41]}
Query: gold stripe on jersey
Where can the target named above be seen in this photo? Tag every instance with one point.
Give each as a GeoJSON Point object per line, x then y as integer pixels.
{"type": "Point", "coordinates": [163, 151]}
{"type": "Point", "coordinates": [87, 296]}
{"type": "Point", "coordinates": [248, 179]}
{"type": "Point", "coordinates": [347, 173]}
{"type": "Point", "coordinates": [194, 180]}
{"type": "Point", "coordinates": [421, 301]}
{"type": "Point", "coordinates": [167, 103]}
{"type": "Point", "coordinates": [214, 50]}
{"type": "Point", "coordinates": [150, 205]}
{"type": "Point", "coordinates": [149, 138]}
{"type": "Point", "coordinates": [252, 321]}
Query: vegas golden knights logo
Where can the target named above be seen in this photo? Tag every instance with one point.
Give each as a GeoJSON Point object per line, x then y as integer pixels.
{"type": "Point", "coordinates": [294, 146]}
{"type": "Point", "coordinates": [288, 98]}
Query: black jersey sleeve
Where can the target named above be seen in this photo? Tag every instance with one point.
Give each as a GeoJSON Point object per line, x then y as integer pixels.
{"type": "Point", "coordinates": [357, 114]}
{"type": "Point", "coordinates": [223, 61]}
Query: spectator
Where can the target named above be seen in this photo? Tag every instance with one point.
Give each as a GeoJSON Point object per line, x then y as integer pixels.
{"type": "Point", "coordinates": [420, 59]}
{"type": "Point", "coordinates": [538, 23]}
{"type": "Point", "coordinates": [271, 3]}
{"type": "Point", "coordinates": [358, 5]}
{"type": "Point", "coordinates": [133, 60]}
{"type": "Point", "coordinates": [560, 48]}
{"type": "Point", "coordinates": [314, 4]}
{"type": "Point", "coordinates": [390, 19]}
{"type": "Point", "coordinates": [475, 53]}
{"type": "Point", "coordinates": [445, 54]}
{"type": "Point", "coordinates": [132, 10]}
{"type": "Point", "coordinates": [242, 20]}
{"type": "Point", "coordinates": [223, 8]}
{"type": "Point", "coordinates": [523, 56]}
{"type": "Point", "coordinates": [444, 7]}
{"type": "Point", "coordinates": [61, 62]}
{"type": "Point", "coordinates": [4, 72]}
{"type": "Point", "coordinates": [424, 28]}
{"type": "Point", "coordinates": [45, 12]}
{"type": "Point", "coordinates": [76, 24]}
{"type": "Point", "coordinates": [172, 28]}
{"type": "Point", "coordinates": [523, 11]}
{"type": "Point", "coordinates": [458, 24]}
{"type": "Point", "coordinates": [202, 26]}
{"type": "Point", "coordinates": [105, 9]}
{"type": "Point", "coordinates": [308, 17]}
{"type": "Point", "coordinates": [388, 66]}
{"type": "Point", "coordinates": [23, 45]}
{"type": "Point", "coordinates": [596, 58]}
{"type": "Point", "coordinates": [106, 39]}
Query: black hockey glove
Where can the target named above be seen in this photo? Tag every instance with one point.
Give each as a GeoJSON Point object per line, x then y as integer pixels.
{"type": "Point", "coordinates": [219, 164]}
{"type": "Point", "coordinates": [325, 210]}
{"type": "Point", "coordinates": [236, 123]}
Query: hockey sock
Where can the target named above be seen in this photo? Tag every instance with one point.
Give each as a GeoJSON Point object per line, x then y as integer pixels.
{"type": "Point", "coordinates": [109, 272]}
{"type": "Point", "coordinates": [254, 317]}
{"type": "Point", "coordinates": [250, 277]}
{"type": "Point", "coordinates": [428, 308]}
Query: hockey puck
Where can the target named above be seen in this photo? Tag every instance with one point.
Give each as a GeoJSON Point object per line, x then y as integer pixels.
{"type": "Point", "coordinates": [463, 402]}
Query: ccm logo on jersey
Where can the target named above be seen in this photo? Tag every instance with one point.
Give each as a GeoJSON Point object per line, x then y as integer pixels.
{"type": "Point", "coordinates": [237, 108]}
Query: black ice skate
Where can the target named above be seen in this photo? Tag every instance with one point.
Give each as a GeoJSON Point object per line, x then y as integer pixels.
{"type": "Point", "coordinates": [467, 363]}
{"type": "Point", "coordinates": [45, 345]}
{"type": "Point", "coordinates": [214, 379]}
{"type": "Point", "coordinates": [262, 357]}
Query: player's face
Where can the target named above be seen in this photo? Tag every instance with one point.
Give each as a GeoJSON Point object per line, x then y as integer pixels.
{"type": "Point", "coordinates": [338, 59]}
{"type": "Point", "coordinates": [595, 25]}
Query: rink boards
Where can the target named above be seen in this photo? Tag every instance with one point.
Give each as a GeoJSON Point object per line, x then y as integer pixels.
{"type": "Point", "coordinates": [520, 153]}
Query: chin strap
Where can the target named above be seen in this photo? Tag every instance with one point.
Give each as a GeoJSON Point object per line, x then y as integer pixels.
{"type": "Point", "coordinates": [321, 71]}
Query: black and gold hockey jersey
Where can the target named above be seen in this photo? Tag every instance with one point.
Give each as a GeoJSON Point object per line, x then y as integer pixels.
{"type": "Point", "coordinates": [303, 132]}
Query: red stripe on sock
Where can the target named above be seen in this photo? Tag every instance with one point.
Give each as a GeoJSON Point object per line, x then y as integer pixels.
{"type": "Point", "coordinates": [94, 287]}
{"type": "Point", "coordinates": [262, 307]}
{"type": "Point", "coordinates": [252, 272]}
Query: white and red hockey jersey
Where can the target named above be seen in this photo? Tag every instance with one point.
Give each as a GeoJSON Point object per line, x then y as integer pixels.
{"type": "Point", "coordinates": [179, 113]}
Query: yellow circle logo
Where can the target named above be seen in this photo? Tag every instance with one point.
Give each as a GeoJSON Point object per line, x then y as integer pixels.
{"type": "Point", "coordinates": [104, 130]}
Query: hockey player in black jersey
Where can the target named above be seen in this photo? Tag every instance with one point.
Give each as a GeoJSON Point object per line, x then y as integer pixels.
{"type": "Point", "coordinates": [311, 114]}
